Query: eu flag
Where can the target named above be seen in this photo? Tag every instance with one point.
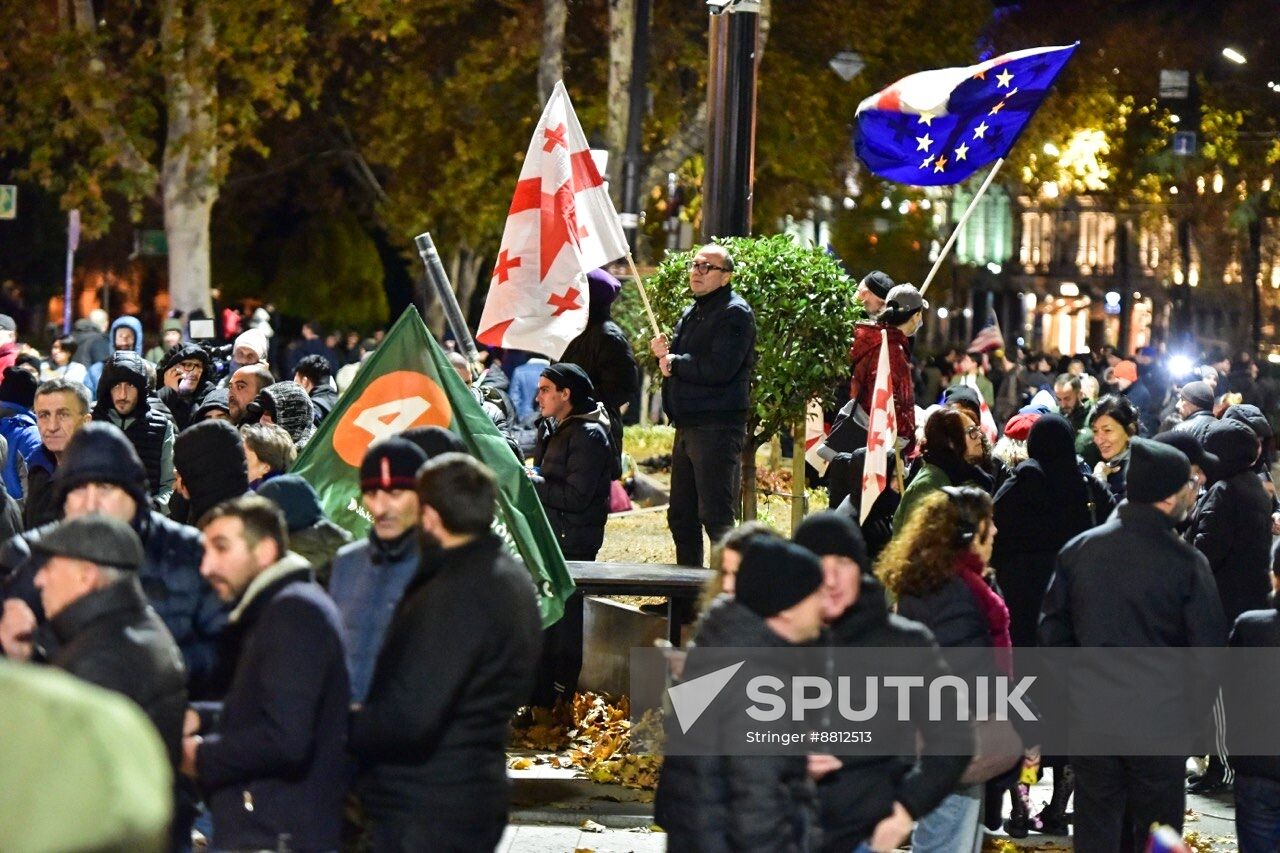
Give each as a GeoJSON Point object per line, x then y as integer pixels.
{"type": "Point", "coordinates": [939, 127]}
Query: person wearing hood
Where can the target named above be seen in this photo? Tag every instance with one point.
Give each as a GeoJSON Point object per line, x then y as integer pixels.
{"type": "Point", "coordinates": [313, 375]}
{"type": "Point", "coordinates": [209, 460]}
{"type": "Point", "coordinates": [369, 577]}
{"type": "Point", "coordinates": [311, 533]}
{"type": "Point", "coordinates": [92, 345]}
{"type": "Point", "coordinates": [19, 428]}
{"type": "Point", "coordinates": [185, 378]}
{"type": "Point", "coordinates": [1231, 522]}
{"type": "Point", "coordinates": [1252, 417]}
{"type": "Point", "coordinates": [575, 460]}
{"type": "Point", "coordinates": [123, 400]}
{"type": "Point", "coordinates": [216, 406]}
{"type": "Point", "coordinates": [943, 462]}
{"type": "Point", "coordinates": [874, 799]}
{"type": "Point", "coordinates": [723, 803]}
{"type": "Point", "coordinates": [170, 337]}
{"type": "Point", "coordinates": [286, 404]}
{"type": "Point", "coordinates": [604, 352]}
{"type": "Point", "coordinates": [101, 472]}
{"type": "Point", "coordinates": [125, 336]}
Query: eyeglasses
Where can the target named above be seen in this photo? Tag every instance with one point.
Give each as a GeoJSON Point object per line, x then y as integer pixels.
{"type": "Point", "coordinates": [704, 268]}
{"type": "Point", "coordinates": [974, 432]}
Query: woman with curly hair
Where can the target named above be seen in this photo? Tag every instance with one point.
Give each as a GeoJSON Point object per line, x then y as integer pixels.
{"type": "Point", "coordinates": [936, 568]}
{"type": "Point", "coordinates": [946, 447]}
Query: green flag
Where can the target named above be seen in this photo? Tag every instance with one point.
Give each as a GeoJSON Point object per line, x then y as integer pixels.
{"type": "Point", "coordinates": [408, 382]}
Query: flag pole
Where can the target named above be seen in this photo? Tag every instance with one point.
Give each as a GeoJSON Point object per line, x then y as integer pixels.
{"type": "Point", "coordinates": [955, 232]}
{"type": "Point", "coordinates": [644, 297]}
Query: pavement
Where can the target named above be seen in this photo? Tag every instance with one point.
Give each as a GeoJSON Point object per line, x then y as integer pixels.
{"type": "Point", "coordinates": [557, 811]}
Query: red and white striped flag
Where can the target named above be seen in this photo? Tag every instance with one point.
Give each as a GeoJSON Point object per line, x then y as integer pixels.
{"type": "Point", "coordinates": [882, 434]}
{"type": "Point", "coordinates": [987, 421]}
{"type": "Point", "coordinates": [561, 225]}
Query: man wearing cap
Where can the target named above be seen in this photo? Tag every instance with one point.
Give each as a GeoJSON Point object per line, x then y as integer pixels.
{"type": "Point", "coordinates": [101, 473]}
{"type": "Point", "coordinates": [707, 394]}
{"type": "Point", "coordinates": [243, 387]}
{"type": "Point", "coordinates": [873, 290]}
{"type": "Point", "coordinates": [755, 802]}
{"type": "Point", "coordinates": [250, 348]}
{"type": "Point", "coordinates": [1195, 406]}
{"type": "Point", "coordinates": [186, 376]}
{"type": "Point", "coordinates": [61, 407]}
{"type": "Point", "coordinates": [1125, 375]}
{"type": "Point", "coordinates": [1132, 582]}
{"type": "Point", "coordinates": [901, 316]}
{"type": "Point", "coordinates": [369, 577]}
{"type": "Point", "coordinates": [604, 352]}
{"type": "Point", "coordinates": [876, 799]}
{"type": "Point", "coordinates": [272, 758]}
{"type": "Point", "coordinates": [124, 400]}
{"type": "Point", "coordinates": [457, 662]}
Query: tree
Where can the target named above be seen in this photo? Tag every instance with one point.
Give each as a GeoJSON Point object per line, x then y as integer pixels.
{"type": "Point", "coordinates": [805, 308]}
{"type": "Point", "coordinates": [148, 101]}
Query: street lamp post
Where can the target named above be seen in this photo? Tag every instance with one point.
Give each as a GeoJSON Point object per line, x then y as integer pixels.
{"type": "Point", "coordinates": [731, 118]}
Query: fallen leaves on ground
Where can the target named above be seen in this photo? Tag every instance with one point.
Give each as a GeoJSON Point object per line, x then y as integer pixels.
{"type": "Point", "coordinates": [591, 735]}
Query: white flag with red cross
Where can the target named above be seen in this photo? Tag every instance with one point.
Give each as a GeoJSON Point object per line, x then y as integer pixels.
{"type": "Point", "coordinates": [986, 420]}
{"type": "Point", "coordinates": [882, 434]}
{"type": "Point", "coordinates": [561, 225]}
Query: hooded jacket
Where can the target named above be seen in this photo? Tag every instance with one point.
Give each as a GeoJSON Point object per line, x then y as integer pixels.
{"type": "Point", "coordinates": [735, 803]}
{"type": "Point", "coordinates": [577, 463]}
{"type": "Point", "coordinates": [148, 427]}
{"type": "Point", "coordinates": [97, 368]}
{"type": "Point", "coordinates": [182, 405]}
{"type": "Point", "coordinates": [1231, 525]}
{"type": "Point", "coordinates": [210, 457]}
{"type": "Point", "coordinates": [713, 352]}
{"type": "Point", "coordinates": [865, 355]}
{"type": "Point", "coordinates": [290, 409]}
{"type": "Point", "coordinates": [91, 345]}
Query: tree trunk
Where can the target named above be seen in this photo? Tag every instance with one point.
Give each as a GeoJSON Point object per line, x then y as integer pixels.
{"type": "Point", "coordinates": [749, 476]}
{"type": "Point", "coordinates": [799, 497]}
{"type": "Point", "coordinates": [191, 150]}
{"type": "Point", "coordinates": [551, 61]}
{"type": "Point", "coordinates": [622, 33]}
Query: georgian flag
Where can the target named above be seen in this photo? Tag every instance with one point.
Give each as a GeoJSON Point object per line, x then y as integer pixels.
{"type": "Point", "coordinates": [882, 434]}
{"type": "Point", "coordinates": [939, 127]}
{"type": "Point", "coordinates": [561, 225]}
{"type": "Point", "coordinates": [987, 421]}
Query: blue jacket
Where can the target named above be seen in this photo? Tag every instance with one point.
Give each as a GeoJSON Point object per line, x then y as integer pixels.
{"type": "Point", "coordinates": [95, 370]}
{"type": "Point", "coordinates": [24, 440]}
{"type": "Point", "coordinates": [367, 581]}
{"type": "Point", "coordinates": [274, 768]}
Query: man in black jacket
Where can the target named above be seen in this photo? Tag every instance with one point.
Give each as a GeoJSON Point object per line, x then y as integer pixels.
{"type": "Point", "coordinates": [272, 763]}
{"type": "Point", "coordinates": [186, 378]}
{"type": "Point", "coordinates": [100, 628]}
{"type": "Point", "coordinates": [604, 352]}
{"type": "Point", "coordinates": [707, 396]}
{"type": "Point", "coordinates": [876, 798]}
{"type": "Point", "coordinates": [1131, 582]}
{"type": "Point", "coordinates": [457, 661]}
{"type": "Point", "coordinates": [124, 400]}
{"type": "Point", "coordinates": [315, 376]}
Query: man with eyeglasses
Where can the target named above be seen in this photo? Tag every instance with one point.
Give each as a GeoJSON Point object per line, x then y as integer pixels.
{"type": "Point", "coordinates": [707, 366]}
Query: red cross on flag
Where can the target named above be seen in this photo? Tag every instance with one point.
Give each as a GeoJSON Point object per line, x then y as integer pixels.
{"type": "Point", "coordinates": [882, 433]}
{"type": "Point", "coordinates": [561, 225]}
{"type": "Point", "coordinates": [988, 422]}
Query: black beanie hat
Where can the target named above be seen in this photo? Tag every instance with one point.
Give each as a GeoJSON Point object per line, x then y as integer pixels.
{"type": "Point", "coordinates": [100, 453]}
{"type": "Point", "coordinates": [566, 374]}
{"type": "Point", "coordinates": [179, 353]}
{"type": "Point", "coordinates": [215, 399]}
{"type": "Point", "coordinates": [878, 283]}
{"type": "Point", "coordinates": [829, 532]}
{"type": "Point", "coordinates": [964, 396]}
{"type": "Point", "coordinates": [210, 458]}
{"type": "Point", "coordinates": [296, 498]}
{"type": "Point", "coordinates": [1198, 393]}
{"type": "Point", "coordinates": [392, 463]}
{"type": "Point", "coordinates": [434, 440]}
{"type": "Point", "coordinates": [18, 386]}
{"type": "Point", "coordinates": [1190, 447]}
{"type": "Point", "coordinates": [776, 574]}
{"type": "Point", "coordinates": [1156, 471]}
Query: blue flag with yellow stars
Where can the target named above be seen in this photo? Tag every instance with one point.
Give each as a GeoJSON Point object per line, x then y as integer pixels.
{"type": "Point", "coordinates": [939, 127]}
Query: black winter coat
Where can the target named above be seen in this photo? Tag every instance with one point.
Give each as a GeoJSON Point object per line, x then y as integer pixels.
{"type": "Point", "coordinates": [735, 803]}
{"type": "Point", "coordinates": [577, 463]}
{"type": "Point", "coordinates": [276, 763]}
{"type": "Point", "coordinates": [1231, 524]}
{"type": "Point", "coordinates": [604, 352]}
{"type": "Point", "coordinates": [323, 399]}
{"type": "Point", "coordinates": [1197, 424]}
{"type": "Point", "coordinates": [183, 407]}
{"type": "Point", "coordinates": [1251, 705]}
{"type": "Point", "coordinates": [111, 638]}
{"type": "Point", "coordinates": [862, 792]}
{"type": "Point", "coordinates": [713, 351]}
{"type": "Point", "coordinates": [457, 661]}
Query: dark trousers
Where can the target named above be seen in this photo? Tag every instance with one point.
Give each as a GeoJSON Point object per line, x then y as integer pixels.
{"type": "Point", "coordinates": [706, 486]}
{"type": "Point", "coordinates": [1112, 789]}
{"type": "Point", "coordinates": [561, 661]}
{"type": "Point", "coordinates": [457, 831]}
{"type": "Point", "coordinates": [1257, 814]}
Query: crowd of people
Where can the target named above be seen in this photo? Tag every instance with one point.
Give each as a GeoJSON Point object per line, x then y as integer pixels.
{"type": "Point", "coordinates": [306, 687]}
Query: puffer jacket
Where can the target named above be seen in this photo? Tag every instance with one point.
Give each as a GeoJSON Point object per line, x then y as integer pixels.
{"type": "Point", "coordinates": [577, 463]}
{"type": "Point", "coordinates": [1232, 521]}
{"type": "Point", "coordinates": [713, 351]}
{"type": "Point", "coordinates": [149, 427]}
{"type": "Point", "coordinates": [862, 792]}
{"type": "Point", "coordinates": [723, 803]}
{"type": "Point", "coordinates": [111, 638]}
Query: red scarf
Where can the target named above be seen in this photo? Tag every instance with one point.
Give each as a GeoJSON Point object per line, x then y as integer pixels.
{"type": "Point", "coordinates": [970, 568]}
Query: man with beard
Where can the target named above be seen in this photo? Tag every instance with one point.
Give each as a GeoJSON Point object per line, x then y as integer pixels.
{"type": "Point", "coordinates": [246, 383]}
{"type": "Point", "coordinates": [369, 577]}
{"type": "Point", "coordinates": [1132, 582]}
